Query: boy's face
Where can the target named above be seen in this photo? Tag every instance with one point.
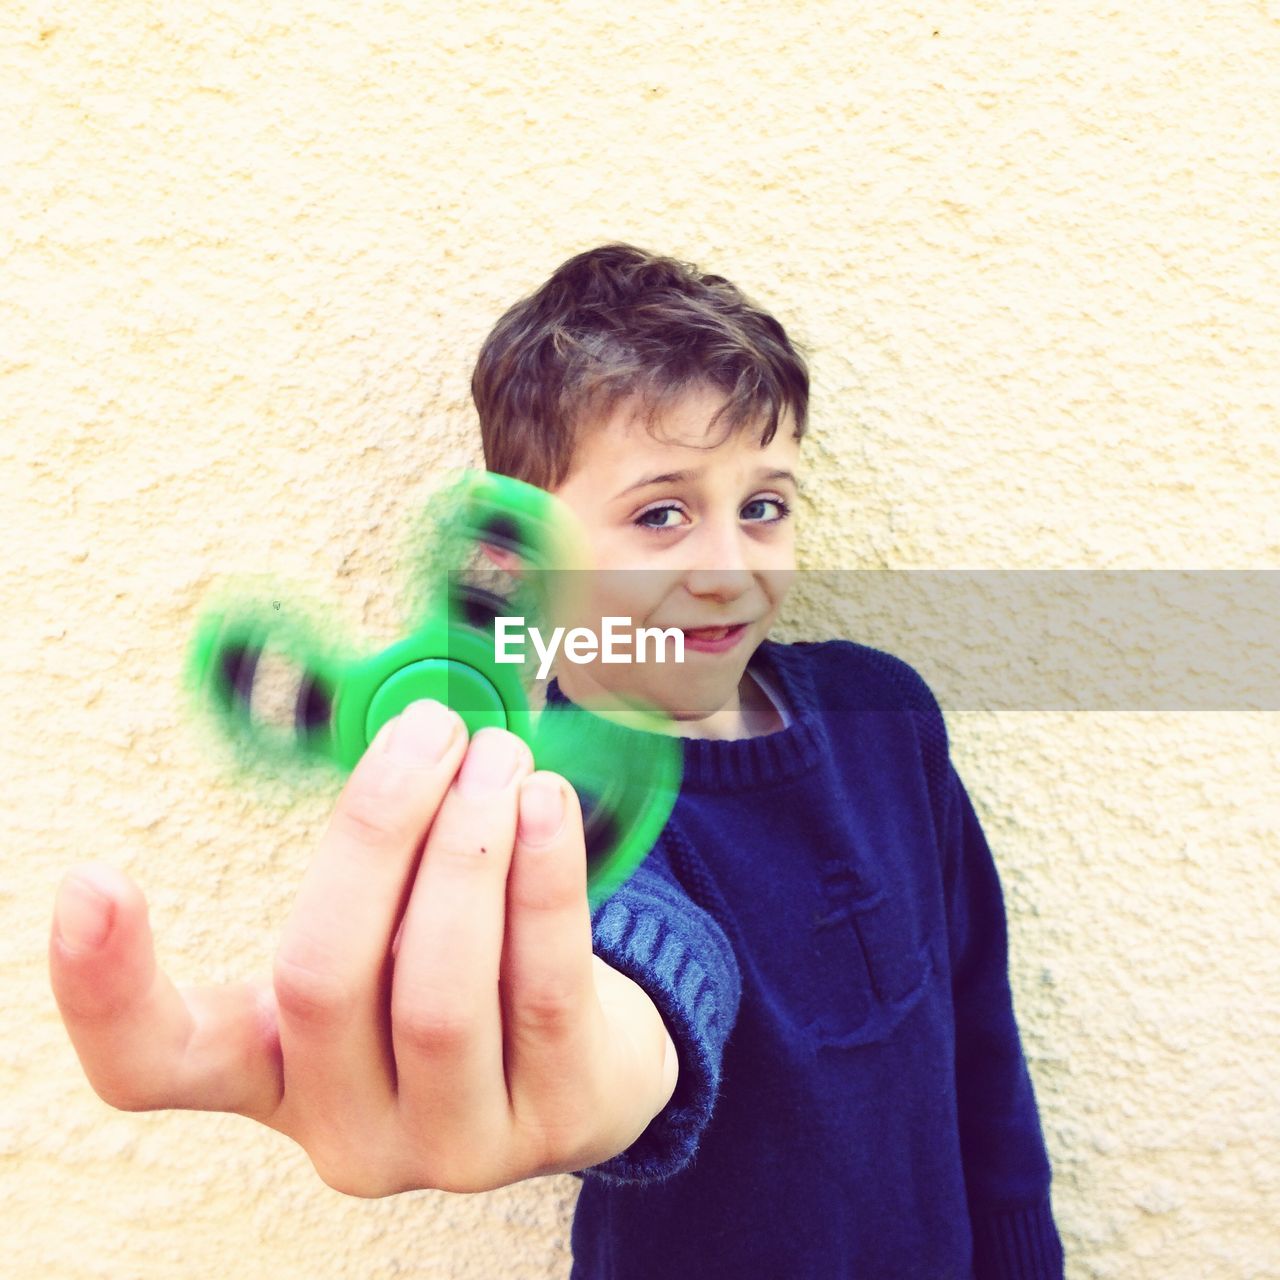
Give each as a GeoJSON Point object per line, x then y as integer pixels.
{"type": "Point", "coordinates": [684, 536]}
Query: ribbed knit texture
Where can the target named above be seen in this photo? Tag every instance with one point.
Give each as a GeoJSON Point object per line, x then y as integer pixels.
{"type": "Point", "coordinates": [655, 935]}
{"type": "Point", "coordinates": [822, 928]}
{"type": "Point", "coordinates": [1022, 1242]}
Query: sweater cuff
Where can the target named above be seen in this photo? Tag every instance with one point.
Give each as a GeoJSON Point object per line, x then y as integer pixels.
{"type": "Point", "coordinates": [696, 991]}
{"type": "Point", "coordinates": [1017, 1244]}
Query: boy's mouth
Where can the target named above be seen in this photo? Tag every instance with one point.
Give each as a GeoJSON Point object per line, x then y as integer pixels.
{"type": "Point", "coordinates": [712, 633]}
{"type": "Point", "coordinates": [713, 638]}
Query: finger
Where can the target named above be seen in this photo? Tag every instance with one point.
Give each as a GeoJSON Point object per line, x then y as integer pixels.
{"type": "Point", "coordinates": [548, 987]}
{"type": "Point", "coordinates": [333, 968]}
{"type": "Point", "coordinates": [445, 1013]}
{"type": "Point", "coordinates": [143, 1043]}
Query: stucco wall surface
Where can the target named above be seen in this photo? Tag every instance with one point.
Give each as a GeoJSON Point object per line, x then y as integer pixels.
{"type": "Point", "coordinates": [250, 249]}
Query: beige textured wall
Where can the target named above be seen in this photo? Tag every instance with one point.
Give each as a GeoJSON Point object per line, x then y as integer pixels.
{"type": "Point", "coordinates": [250, 248]}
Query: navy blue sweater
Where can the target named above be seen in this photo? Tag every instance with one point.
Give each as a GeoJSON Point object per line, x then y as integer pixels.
{"type": "Point", "coordinates": [822, 928]}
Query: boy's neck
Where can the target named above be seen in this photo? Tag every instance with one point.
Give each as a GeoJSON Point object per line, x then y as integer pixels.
{"type": "Point", "coordinates": [750, 714]}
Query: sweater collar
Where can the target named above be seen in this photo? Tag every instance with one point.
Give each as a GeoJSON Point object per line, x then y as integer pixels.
{"type": "Point", "coordinates": [740, 764]}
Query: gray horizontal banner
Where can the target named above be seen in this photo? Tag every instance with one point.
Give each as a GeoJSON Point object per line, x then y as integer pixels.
{"type": "Point", "coordinates": [1003, 640]}
{"type": "Point", "coordinates": [1063, 640]}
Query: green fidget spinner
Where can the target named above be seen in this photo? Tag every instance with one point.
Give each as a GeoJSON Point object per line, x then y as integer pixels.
{"type": "Point", "coordinates": [340, 701]}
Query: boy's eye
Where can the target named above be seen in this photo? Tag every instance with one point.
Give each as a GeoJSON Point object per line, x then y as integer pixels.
{"type": "Point", "coordinates": [658, 520]}
{"type": "Point", "coordinates": [760, 507]}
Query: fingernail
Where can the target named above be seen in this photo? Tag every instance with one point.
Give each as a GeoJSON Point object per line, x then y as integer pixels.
{"type": "Point", "coordinates": [541, 810]}
{"type": "Point", "coordinates": [82, 915]}
{"type": "Point", "coordinates": [421, 733]}
{"type": "Point", "coordinates": [491, 760]}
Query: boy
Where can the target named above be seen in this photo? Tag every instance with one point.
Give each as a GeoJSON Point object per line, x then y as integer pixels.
{"type": "Point", "coordinates": [793, 1053]}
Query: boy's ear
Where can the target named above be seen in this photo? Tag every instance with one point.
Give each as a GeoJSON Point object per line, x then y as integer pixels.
{"type": "Point", "coordinates": [506, 560]}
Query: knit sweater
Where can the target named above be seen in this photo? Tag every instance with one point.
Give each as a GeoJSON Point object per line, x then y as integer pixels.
{"type": "Point", "coordinates": [822, 928]}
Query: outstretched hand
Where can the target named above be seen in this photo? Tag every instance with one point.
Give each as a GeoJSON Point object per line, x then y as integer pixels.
{"type": "Point", "coordinates": [435, 1017]}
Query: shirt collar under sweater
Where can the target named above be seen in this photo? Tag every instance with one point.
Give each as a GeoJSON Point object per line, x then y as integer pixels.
{"type": "Point", "coordinates": [740, 764]}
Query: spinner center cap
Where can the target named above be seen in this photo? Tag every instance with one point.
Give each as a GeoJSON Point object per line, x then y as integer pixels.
{"type": "Point", "coordinates": [470, 693]}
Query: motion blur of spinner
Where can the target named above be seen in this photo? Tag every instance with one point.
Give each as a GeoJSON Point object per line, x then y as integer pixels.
{"type": "Point", "coordinates": [337, 701]}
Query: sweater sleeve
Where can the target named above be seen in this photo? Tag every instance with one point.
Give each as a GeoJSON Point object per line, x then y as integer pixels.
{"type": "Point", "coordinates": [653, 932]}
{"type": "Point", "coordinates": [1007, 1171]}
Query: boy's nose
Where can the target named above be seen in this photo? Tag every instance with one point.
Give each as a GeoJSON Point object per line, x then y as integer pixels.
{"type": "Point", "coordinates": [721, 566]}
{"type": "Point", "coordinates": [716, 584]}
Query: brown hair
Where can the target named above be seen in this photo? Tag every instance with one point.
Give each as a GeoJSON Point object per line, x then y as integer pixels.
{"type": "Point", "coordinates": [617, 322]}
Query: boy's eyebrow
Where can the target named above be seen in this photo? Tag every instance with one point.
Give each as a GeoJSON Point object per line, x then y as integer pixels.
{"type": "Point", "coordinates": [678, 477]}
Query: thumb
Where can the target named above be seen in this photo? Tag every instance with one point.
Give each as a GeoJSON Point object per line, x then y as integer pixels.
{"type": "Point", "coordinates": [100, 950]}
{"type": "Point", "coordinates": [143, 1044]}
